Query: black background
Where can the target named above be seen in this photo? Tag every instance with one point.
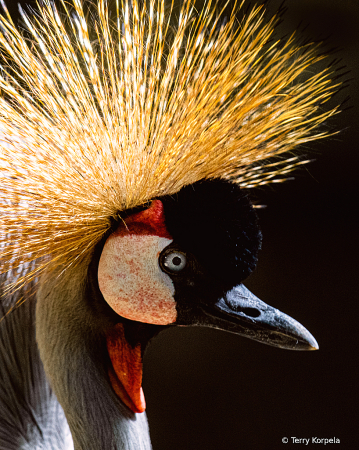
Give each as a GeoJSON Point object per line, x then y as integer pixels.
{"type": "Point", "coordinates": [210, 390]}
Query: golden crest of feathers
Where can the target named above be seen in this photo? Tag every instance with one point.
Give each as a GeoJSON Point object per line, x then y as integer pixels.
{"type": "Point", "coordinates": [97, 116]}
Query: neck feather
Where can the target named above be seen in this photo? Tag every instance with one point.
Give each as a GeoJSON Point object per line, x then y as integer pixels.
{"type": "Point", "coordinates": [73, 350]}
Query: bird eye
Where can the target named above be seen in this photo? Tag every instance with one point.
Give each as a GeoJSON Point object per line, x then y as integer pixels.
{"type": "Point", "coordinates": [173, 261]}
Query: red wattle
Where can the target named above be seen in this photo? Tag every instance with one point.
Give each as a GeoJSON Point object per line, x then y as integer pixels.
{"type": "Point", "coordinates": [126, 371]}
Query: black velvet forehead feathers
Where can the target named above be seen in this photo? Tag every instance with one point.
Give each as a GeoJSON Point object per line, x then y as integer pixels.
{"type": "Point", "coordinates": [215, 221]}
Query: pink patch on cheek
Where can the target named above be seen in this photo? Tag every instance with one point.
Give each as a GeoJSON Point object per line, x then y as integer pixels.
{"type": "Point", "coordinates": [132, 282]}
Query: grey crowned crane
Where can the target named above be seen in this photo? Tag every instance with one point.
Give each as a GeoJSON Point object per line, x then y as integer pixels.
{"type": "Point", "coordinates": [127, 146]}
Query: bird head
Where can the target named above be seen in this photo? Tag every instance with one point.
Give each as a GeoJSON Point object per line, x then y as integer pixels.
{"type": "Point", "coordinates": [181, 261]}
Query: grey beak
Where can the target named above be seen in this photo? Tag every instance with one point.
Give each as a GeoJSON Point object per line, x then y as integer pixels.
{"type": "Point", "coordinates": [241, 312]}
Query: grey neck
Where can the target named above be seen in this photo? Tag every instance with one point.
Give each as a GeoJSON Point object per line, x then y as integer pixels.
{"type": "Point", "coordinates": [73, 351]}
{"type": "Point", "coordinates": [30, 415]}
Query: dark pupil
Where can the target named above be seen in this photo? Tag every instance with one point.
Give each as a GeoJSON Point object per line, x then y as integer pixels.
{"type": "Point", "coordinates": [176, 260]}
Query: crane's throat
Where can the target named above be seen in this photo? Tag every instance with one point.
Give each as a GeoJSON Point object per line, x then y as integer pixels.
{"type": "Point", "coordinates": [126, 371]}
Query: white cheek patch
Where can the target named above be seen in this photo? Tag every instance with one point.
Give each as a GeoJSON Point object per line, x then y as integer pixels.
{"type": "Point", "coordinates": [132, 282]}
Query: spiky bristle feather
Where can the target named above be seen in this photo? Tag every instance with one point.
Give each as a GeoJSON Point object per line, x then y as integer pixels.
{"type": "Point", "coordinates": [95, 119]}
